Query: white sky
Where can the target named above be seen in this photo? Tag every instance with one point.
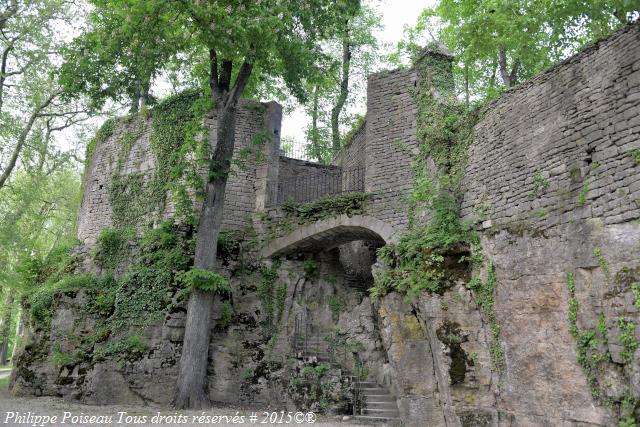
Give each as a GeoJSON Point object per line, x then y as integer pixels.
{"type": "Point", "coordinates": [395, 15]}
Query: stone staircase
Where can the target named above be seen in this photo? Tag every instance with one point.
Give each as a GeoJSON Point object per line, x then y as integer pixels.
{"type": "Point", "coordinates": [378, 405]}
{"type": "Point", "coordinates": [376, 402]}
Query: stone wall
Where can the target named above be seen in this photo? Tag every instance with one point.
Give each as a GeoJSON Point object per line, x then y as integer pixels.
{"type": "Point", "coordinates": [552, 176]}
{"type": "Point", "coordinates": [253, 121]}
{"type": "Point", "coordinates": [352, 156]}
{"type": "Point", "coordinates": [391, 138]}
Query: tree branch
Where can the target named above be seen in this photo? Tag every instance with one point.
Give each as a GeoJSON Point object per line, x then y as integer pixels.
{"type": "Point", "coordinates": [225, 75]}
{"type": "Point", "coordinates": [241, 79]}
{"type": "Point", "coordinates": [23, 137]}
{"type": "Point", "coordinates": [3, 72]}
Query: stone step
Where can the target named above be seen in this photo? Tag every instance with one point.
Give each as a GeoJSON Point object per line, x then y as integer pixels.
{"type": "Point", "coordinates": [389, 404]}
{"type": "Point", "coordinates": [378, 398]}
{"type": "Point", "coordinates": [381, 412]}
{"type": "Point", "coordinates": [367, 384]}
{"type": "Point", "coordinates": [373, 418]}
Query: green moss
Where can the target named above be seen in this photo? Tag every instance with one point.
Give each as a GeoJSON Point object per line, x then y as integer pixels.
{"type": "Point", "coordinates": [539, 185]}
{"type": "Point", "coordinates": [582, 195]}
{"type": "Point", "coordinates": [635, 155]}
{"type": "Point", "coordinates": [484, 291]}
{"type": "Point", "coordinates": [627, 339]}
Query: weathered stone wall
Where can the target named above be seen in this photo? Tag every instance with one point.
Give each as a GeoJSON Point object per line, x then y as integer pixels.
{"type": "Point", "coordinates": [391, 138]}
{"type": "Point", "coordinates": [253, 119]}
{"type": "Point", "coordinates": [551, 166]}
{"type": "Point", "coordinates": [353, 155]}
{"type": "Point", "coordinates": [252, 360]}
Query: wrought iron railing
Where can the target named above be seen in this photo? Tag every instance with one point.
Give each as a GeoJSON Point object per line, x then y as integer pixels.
{"type": "Point", "coordinates": [320, 184]}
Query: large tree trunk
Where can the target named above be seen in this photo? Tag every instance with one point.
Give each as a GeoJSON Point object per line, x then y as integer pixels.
{"type": "Point", "coordinates": [192, 377]}
{"type": "Point", "coordinates": [344, 91]}
{"type": "Point", "coordinates": [5, 330]}
{"type": "Point", "coordinates": [192, 380]}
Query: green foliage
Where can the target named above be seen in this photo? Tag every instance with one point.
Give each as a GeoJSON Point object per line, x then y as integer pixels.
{"type": "Point", "coordinates": [42, 298]}
{"type": "Point", "coordinates": [112, 247]}
{"type": "Point", "coordinates": [604, 264]}
{"type": "Point", "coordinates": [67, 359]}
{"type": "Point", "coordinates": [484, 298]}
{"type": "Point", "coordinates": [130, 348]}
{"type": "Point", "coordinates": [589, 343]}
{"type": "Point", "coordinates": [104, 132]}
{"type": "Point", "coordinates": [180, 143]}
{"type": "Point", "coordinates": [627, 339]}
{"type": "Point", "coordinates": [336, 305]}
{"type": "Point", "coordinates": [206, 280]}
{"type": "Point", "coordinates": [227, 313]}
{"type": "Point", "coordinates": [635, 155]}
{"type": "Point", "coordinates": [310, 267]}
{"type": "Point", "coordinates": [635, 288]}
{"type": "Point", "coordinates": [500, 44]}
{"type": "Point", "coordinates": [344, 204]}
{"type": "Point", "coordinates": [271, 297]}
{"type": "Point", "coordinates": [582, 195]}
{"type": "Point", "coordinates": [540, 184]}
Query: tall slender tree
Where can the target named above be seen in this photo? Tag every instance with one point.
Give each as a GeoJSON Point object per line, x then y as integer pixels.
{"type": "Point", "coordinates": [281, 37]}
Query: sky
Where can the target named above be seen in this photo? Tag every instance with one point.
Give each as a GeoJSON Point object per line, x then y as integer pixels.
{"type": "Point", "coordinates": [395, 15]}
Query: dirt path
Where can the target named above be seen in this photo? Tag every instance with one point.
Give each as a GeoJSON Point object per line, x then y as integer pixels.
{"type": "Point", "coordinates": [139, 416]}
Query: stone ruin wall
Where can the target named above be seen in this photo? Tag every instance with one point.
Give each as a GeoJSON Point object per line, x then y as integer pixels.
{"type": "Point", "coordinates": [550, 178]}
{"type": "Point", "coordinates": [246, 188]}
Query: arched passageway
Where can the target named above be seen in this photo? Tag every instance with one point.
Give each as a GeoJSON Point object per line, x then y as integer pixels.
{"type": "Point", "coordinates": [330, 233]}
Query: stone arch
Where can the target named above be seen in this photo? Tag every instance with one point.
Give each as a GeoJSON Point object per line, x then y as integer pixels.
{"type": "Point", "coordinates": [330, 233]}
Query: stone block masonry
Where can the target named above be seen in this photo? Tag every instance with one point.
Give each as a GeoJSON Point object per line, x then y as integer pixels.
{"type": "Point", "coordinates": [559, 148]}
{"type": "Point", "coordinates": [553, 184]}
{"type": "Point", "coordinates": [390, 140]}
{"type": "Point", "coordinates": [247, 183]}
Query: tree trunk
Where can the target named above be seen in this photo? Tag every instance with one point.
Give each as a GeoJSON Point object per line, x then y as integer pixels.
{"type": "Point", "coordinates": [510, 79]}
{"type": "Point", "coordinates": [5, 330]}
{"type": "Point", "coordinates": [13, 160]}
{"type": "Point", "coordinates": [466, 84]}
{"type": "Point", "coordinates": [315, 133]}
{"type": "Point", "coordinates": [344, 91]}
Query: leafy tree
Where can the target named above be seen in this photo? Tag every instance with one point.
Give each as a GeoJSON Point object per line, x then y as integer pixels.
{"type": "Point", "coordinates": [30, 101]}
{"type": "Point", "coordinates": [36, 216]}
{"type": "Point", "coordinates": [122, 52]}
{"type": "Point", "coordinates": [340, 72]}
{"type": "Point", "coordinates": [276, 40]}
{"type": "Point", "coordinates": [500, 44]}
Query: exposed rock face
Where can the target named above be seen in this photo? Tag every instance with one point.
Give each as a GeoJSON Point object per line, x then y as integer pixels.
{"type": "Point", "coordinates": [553, 183]}
{"type": "Point", "coordinates": [251, 358]}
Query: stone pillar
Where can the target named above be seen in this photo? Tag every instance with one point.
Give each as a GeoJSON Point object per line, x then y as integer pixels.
{"type": "Point", "coordinates": [435, 71]}
{"type": "Point", "coordinates": [267, 171]}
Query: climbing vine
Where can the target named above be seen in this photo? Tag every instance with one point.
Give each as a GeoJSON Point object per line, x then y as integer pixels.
{"type": "Point", "coordinates": [444, 129]}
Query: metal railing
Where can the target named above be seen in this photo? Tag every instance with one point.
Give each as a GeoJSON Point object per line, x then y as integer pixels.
{"type": "Point", "coordinates": [320, 184]}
